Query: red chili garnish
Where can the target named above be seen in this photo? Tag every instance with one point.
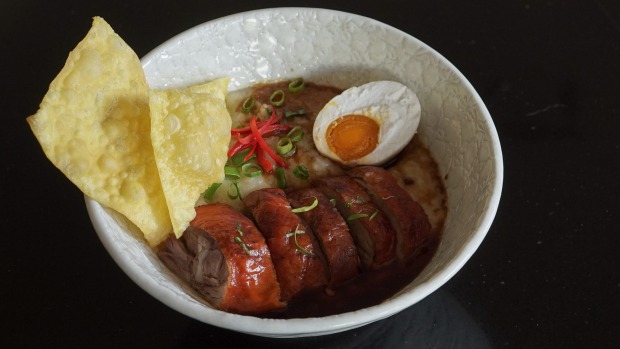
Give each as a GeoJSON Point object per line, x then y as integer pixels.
{"type": "Point", "coordinates": [249, 155]}
{"type": "Point", "coordinates": [272, 120]}
{"type": "Point", "coordinates": [263, 145]}
{"type": "Point", "coordinates": [263, 162]}
{"type": "Point", "coordinates": [252, 137]}
{"type": "Point", "coordinates": [236, 148]}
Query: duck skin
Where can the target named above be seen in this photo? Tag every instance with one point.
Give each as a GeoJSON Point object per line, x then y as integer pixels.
{"type": "Point", "coordinates": [224, 257]}
{"type": "Point", "coordinates": [296, 255]}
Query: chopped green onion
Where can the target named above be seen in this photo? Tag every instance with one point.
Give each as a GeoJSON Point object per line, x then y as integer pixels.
{"type": "Point", "coordinates": [306, 208]}
{"type": "Point", "coordinates": [372, 216]}
{"type": "Point", "coordinates": [277, 98]}
{"type": "Point", "coordinates": [239, 229]}
{"type": "Point", "coordinates": [248, 105]}
{"type": "Point", "coordinates": [231, 173]}
{"type": "Point", "coordinates": [296, 134]}
{"type": "Point", "coordinates": [233, 191]}
{"type": "Point", "coordinates": [356, 216]}
{"type": "Point", "coordinates": [333, 201]}
{"type": "Point", "coordinates": [284, 146]}
{"type": "Point", "coordinates": [301, 172]}
{"type": "Point", "coordinates": [281, 177]}
{"type": "Point", "coordinates": [210, 192]}
{"type": "Point", "coordinates": [290, 153]}
{"type": "Point", "coordinates": [250, 169]}
{"type": "Point", "coordinates": [297, 245]}
{"type": "Point", "coordinates": [238, 159]}
{"type": "Point", "coordinates": [296, 85]}
{"type": "Point", "coordinates": [242, 244]}
{"type": "Point", "coordinates": [291, 113]}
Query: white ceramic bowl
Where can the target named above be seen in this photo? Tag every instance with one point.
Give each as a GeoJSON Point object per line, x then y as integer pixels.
{"type": "Point", "coordinates": [340, 49]}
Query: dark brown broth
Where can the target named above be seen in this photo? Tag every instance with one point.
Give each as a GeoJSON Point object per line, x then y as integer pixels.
{"type": "Point", "coordinates": [368, 289]}
{"type": "Point", "coordinates": [371, 287]}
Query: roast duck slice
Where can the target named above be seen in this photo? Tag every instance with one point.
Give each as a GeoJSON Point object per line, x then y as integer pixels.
{"type": "Point", "coordinates": [332, 233]}
{"type": "Point", "coordinates": [405, 214]}
{"type": "Point", "coordinates": [362, 221]}
{"type": "Point", "coordinates": [224, 257]}
{"type": "Point", "coordinates": [296, 255]}
{"type": "Point", "coordinates": [374, 236]}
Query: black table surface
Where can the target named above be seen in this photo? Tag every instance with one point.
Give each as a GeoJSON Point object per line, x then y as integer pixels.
{"type": "Point", "coordinates": [546, 276]}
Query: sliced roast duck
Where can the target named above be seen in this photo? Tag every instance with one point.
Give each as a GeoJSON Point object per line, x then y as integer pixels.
{"type": "Point", "coordinates": [315, 237]}
{"type": "Point", "coordinates": [405, 214]}
{"type": "Point", "coordinates": [296, 255]}
{"type": "Point", "coordinates": [371, 230]}
{"type": "Point", "coordinates": [223, 256]}
{"type": "Point", "coordinates": [332, 233]}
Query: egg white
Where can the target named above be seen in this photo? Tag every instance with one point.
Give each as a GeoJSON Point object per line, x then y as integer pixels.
{"type": "Point", "coordinates": [394, 107]}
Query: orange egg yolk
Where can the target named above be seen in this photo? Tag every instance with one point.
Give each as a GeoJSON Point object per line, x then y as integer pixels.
{"type": "Point", "coordinates": [352, 136]}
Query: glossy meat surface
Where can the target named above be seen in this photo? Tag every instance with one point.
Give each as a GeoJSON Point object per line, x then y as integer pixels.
{"type": "Point", "coordinates": [332, 233]}
{"type": "Point", "coordinates": [373, 234]}
{"type": "Point", "coordinates": [405, 214]}
{"type": "Point", "coordinates": [297, 257]}
{"type": "Point", "coordinates": [225, 258]}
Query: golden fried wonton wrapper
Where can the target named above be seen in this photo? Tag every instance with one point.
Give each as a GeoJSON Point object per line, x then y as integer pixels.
{"type": "Point", "coordinates": [190, 131]}
{"type": "Point", "coordinates": [94, 125]}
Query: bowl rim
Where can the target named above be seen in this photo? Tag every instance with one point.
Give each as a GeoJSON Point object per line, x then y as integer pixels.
{"type": "Point", "coordinates": [334, 323]}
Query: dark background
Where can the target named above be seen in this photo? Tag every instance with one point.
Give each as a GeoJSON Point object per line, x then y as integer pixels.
{"type": "Point", "coordinates": [546, 276]}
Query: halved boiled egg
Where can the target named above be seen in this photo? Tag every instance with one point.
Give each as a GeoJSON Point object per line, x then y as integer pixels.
{"type": "Point", "coordinates": [367, 124]}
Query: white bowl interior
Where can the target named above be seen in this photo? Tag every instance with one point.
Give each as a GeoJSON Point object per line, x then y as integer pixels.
{"type": "Point", "coordinates": [339, 49]}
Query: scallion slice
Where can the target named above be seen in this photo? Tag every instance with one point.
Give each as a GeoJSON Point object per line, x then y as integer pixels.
{"type": "Point", "coordinates": [242, 244]}
{"type": "Point", "coordinates": [373, 215]}
{"type": "Point", "coordinates": [250, 169]}
{"type": "Point", "coordinates": [290, 153]}
{"type": "Point", "coordinates": [296, 134]}
{"type": "Point", "coordinates": [356, 216]}
{"type": "Point", "coordinates": [239, 158]}
{"type": "Point", "coordinates": [291, 113]}
{"type": "Point", "coordinates": [231, 173]}
{"type": "Point", "coordinates": [297, 245]}
{"type": "Point", "coordinates": [233, 191]}
{"type": "Point", "coordinates": [284, 145]}
{"type": "Point", "coordinates": [306, 208]}
{"type": "Point", "coordinates": [296, 85]}
{"type": "Point", "coordinates": [277, 98]}
{"type": "Point", "coordinates": [301, 172]}
{"type": "Point", "coordinates": [210, 192]}
{"type": "Point", "coordinates": [248, 105]}
{"type": "Point", "coordinates": [280, 177]}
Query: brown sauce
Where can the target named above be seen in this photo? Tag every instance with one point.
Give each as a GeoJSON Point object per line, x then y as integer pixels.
{"type": "Point", "coordinates": [368, 289]}
{"type": "Point", "coordinates": [424, 184]}
{"type": "Point", "coordinates": [414, 169]}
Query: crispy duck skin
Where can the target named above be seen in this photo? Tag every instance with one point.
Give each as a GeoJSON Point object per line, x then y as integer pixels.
{"type": "Point", "coordinates": [225, 258]}
{"type": "Point", "coordinates": [299, 266]}
{"type": "Point", "coordinates": [405, 214]}
{"type": "Point", "coordinates": [372, 232]}
{"type": "Point", "coordinates": [332, 233]}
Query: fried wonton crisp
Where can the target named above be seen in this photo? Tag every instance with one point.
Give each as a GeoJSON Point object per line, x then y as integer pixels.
{"type": "Point", "coordinates": [190, 131]}
{"type": "Point", "coordinates": [94, 125]}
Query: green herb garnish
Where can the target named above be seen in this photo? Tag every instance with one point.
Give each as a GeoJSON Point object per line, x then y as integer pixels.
{"type": "Point", "coordinates": [301, 172]}
{"type": "Point", "coordinates": [210, 192]}
{"type": "Point", "coordinates": [356, 216]}
{"type": "Point", "coordinates": [306, 208]}
{"type": "Point", "coordinates": [299, 248]}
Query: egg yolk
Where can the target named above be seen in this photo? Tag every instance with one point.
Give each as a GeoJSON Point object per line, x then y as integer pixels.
{"type": "Point", "coordinates": [352, 136]}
